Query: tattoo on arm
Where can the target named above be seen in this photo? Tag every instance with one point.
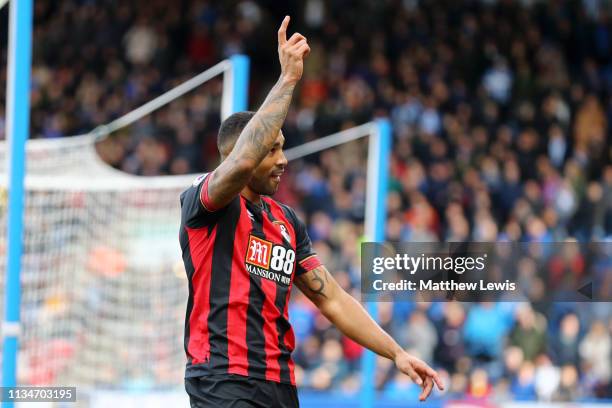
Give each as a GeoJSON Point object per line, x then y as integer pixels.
{"type": "Point", "coordinates": [261, 132]}
{"type": "Point", "coordinates": [316, 284]}
{"type": "Point", "coordinates": [253, 144]}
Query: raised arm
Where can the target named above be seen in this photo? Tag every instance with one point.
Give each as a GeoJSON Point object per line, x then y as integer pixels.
{"type": "Point", "coordinates": [259, 136]}
{"type": "Point", "coordinates": [352, 320]}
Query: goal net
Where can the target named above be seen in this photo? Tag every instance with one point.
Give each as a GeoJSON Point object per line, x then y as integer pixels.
{"type": "Point", "coordinates": [103, 289]}
{"type": "Point", "coordinates": [103, 292]}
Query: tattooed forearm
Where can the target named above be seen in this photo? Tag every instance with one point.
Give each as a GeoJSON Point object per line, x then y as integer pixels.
{"type": "Point", "coordinates": [255, 141]}
{"type": "Point", "coordinates": [261, 132]}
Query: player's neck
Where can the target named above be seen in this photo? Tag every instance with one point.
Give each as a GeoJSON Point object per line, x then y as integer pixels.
{"type": "Point", "coordinates": [252, 196]}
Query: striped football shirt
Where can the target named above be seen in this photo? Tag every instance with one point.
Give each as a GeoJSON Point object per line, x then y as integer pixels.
{"type": "Point", "coordinates": [240, 261]}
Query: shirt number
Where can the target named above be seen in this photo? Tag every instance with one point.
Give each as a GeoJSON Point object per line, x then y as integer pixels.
{"type": "Point", "coordinates": [282, 259]}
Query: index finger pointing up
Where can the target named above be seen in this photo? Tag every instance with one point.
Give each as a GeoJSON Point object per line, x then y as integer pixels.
{"type": "Point", "coordinates": [282, 31]}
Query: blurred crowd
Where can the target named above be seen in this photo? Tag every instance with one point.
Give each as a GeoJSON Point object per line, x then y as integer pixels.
{"type": "Point", "coordinates": [501, 114]}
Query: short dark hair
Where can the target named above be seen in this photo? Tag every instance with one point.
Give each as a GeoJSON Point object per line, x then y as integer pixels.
{"type": "Point", "coordinates": [230, 129]}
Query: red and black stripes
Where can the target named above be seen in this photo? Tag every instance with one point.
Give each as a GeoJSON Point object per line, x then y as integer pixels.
{"type": "Point", "coordinates": [237, 312]}
{"type": "Point", "coordinates": [283, 327]}
{"type": "Point", "coordinates": [220, 281]}
{"type": "Point", "coordinates": [239, 299]}
{"type": "Point", "coordinates": [261, 334]}
{"type": "Point", "coordinates": [197, 342]}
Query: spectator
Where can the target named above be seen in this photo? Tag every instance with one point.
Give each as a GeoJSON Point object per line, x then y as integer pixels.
{"type": "Point", "coordinates": [596, 352]}
{"type": "Point", "coordinates": [420, 335]}
{"type": "Point", "coordinates": [564, 348]}
{"type": "Point", "coordinates": [484, 329]}
{"type": "Point", "coordinates": [451, 346]}
{"type": "Point", "coordinates": [529, 333]}
{"type": "Point", "coordinates": [523, 386]}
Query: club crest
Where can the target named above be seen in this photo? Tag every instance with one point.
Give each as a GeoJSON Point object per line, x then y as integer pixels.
{"type": "Point", "coordinates": [284, 232]}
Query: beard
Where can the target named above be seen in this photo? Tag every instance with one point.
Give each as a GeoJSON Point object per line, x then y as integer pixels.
{"type": "Point", "coordinates": [265, 187]}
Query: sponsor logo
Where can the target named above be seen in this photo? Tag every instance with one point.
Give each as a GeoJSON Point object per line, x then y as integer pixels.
{"type": "Point", "coordinates": [270, 261]}
{"type": "Point", "coordinates": [258, 252]}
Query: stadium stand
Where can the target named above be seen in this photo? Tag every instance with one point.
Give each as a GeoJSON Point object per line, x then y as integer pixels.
{"type": "Point", "coordinates": [501, 114]}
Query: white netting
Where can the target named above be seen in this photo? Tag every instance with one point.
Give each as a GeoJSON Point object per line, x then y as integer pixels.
{"type": "Point", "coordinates": [103, 289]}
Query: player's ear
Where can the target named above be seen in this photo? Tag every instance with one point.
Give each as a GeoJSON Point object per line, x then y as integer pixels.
{"type": "Point", "coordinates": [225, 151]}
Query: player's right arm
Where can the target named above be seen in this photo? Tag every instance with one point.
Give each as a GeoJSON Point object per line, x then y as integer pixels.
{"type": "Point", "coordinates": [259, 135]}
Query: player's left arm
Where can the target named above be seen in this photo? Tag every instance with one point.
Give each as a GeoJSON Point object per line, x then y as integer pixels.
{"type": "Point", "coordinates": [349, 316]}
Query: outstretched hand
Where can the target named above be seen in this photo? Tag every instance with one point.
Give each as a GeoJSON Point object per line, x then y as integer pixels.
{"type": "Point", "coordinates": [291, 53]}
{"type": "Point", "coordinates": [422, 374]}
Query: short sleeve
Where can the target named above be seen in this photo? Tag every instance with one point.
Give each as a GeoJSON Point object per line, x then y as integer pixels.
{"type": "Point", "coordinates": [196, 209]}
{"type": "Point", "coordinates": [307, 259]}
